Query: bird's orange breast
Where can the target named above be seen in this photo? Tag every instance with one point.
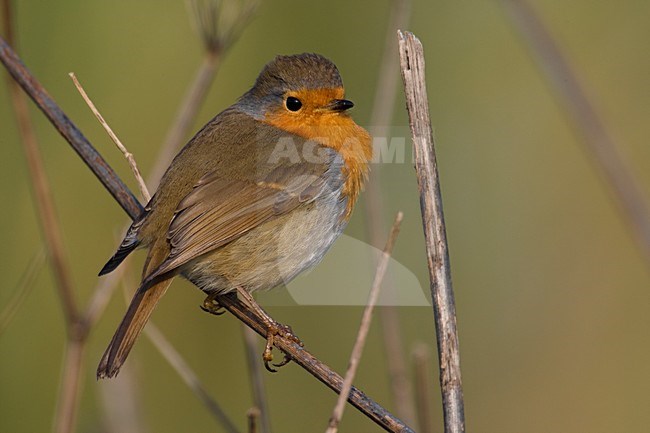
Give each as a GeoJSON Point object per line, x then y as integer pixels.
{"type": "Point", "coordinates": [332, 129]}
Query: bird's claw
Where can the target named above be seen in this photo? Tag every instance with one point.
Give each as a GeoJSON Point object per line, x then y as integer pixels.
{"type": "Point", "coordinates": [284, 331]}
{"type": "Point", "coordinates": [212, 306]}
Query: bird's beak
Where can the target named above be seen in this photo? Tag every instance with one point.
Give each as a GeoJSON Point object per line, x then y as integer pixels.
{"type": "Point", "coordinates": [340, 105]}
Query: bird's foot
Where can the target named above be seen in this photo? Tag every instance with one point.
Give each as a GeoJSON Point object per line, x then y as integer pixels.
{"type": "Point", "coordinates": [273, 330]}
{"type": "Point", "coordinates": [212, 306]}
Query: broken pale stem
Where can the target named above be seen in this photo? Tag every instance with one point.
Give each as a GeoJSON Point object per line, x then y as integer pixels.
{"type": "Point", "coordinates": [128, 155]}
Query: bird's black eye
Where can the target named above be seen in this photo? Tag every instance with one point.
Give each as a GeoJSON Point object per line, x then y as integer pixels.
{"type": "Point", "coordinates": [293, 104]}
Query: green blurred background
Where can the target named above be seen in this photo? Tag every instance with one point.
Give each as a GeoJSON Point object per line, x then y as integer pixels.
{"type": "Point", "coordinates": [552, 292]}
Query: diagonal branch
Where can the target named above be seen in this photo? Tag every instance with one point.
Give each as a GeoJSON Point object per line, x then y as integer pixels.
{"type": "Point", "coordinates": [125, 198]}
{"type": "Point", "coordinates": [69, 131]}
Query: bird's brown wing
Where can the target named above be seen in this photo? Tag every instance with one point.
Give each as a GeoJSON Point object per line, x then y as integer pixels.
{"type": "Point", "coordinates": [219, 210]}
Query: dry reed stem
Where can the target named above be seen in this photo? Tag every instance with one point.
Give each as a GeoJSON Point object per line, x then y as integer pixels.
{"type": "Point", "coordinates": [257, 379]}
{"type": "Point", "coordinates": [300, 356]}
{"type": "Point", "coordinates": [70, 386]}
{"type": "Point", "coordinates": [442, 293]}
{"type": "Point", "coordinates": [186, 114]}
{"type": "Point", "coordinates": [42, 196]}
{"type": "Point", "coordinates": [120, 400]}
{"type": "Point", "coordinates": [128, 155]}
{"type": "Point", "coordinates": [253, 416]}
{"type": "Point", "coordinates": [69, 131]}
{"type": "Point", "coordinates": [422, 364]}
{"type": "Point", "coordinates": [65, 416]}
{"type": "Point", "coordinates": [362, 334]}
{"type": "Point", "coordinates": [380, 121]}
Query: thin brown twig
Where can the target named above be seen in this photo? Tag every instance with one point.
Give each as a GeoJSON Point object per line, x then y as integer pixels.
{"type": "Point", "coordinates": [188, 376]}
{"type": "Point", "coordinates": [219, 23]}
{"type": "Point", "coordinates": [257, 380]}
{"type": "Point", "coordinates": [127, 201]}
{"type": "Point", "coordinates": [422, 364]}
{"type": "Point", "coordinates": [101, 296]}
{"type": "Point", "coordinates": [68, 401]}
{"type": "Point", "coordinates": [23, 289]}
{"type": "Point", "coordinates": [187, 113]}
{"type": "Point", "coordinates": [217, 33]}
{"type": "Point", "coordinates": [253, 416]}
{"type": "Point", "coordinates": [364, 328]}
{"type": "Point", "coordinates": [42, 195]}
{"type": "Point", "coordinates": [598, 141]}
{"type": "Point", "coordinates": [128, 155]}
{"type": "Point", "coordinates": [380, 121]}
{"type": "Point", "coordinates": [442, 293]}
{"type": "Point", "coordinates": [381, 117]}
{"type": "Point", "coordinates": [70, 385]}
{"type": "Point", "coordinates": [120, 399]}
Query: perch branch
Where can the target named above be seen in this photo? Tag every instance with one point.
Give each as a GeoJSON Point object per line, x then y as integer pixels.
{"type": "Point", "coordinates": [412, 63]}
{"type": "Point", "coordinates": [129, 203]}
{"type": "Point", "coordinates": [315, 367]}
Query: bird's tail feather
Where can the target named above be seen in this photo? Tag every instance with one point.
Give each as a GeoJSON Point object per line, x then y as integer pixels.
{"type": "Point", "coordinates": [142, 305]}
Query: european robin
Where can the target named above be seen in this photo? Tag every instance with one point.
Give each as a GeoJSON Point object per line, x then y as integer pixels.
{"type": "Point", "coordinates": [257, 196]}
